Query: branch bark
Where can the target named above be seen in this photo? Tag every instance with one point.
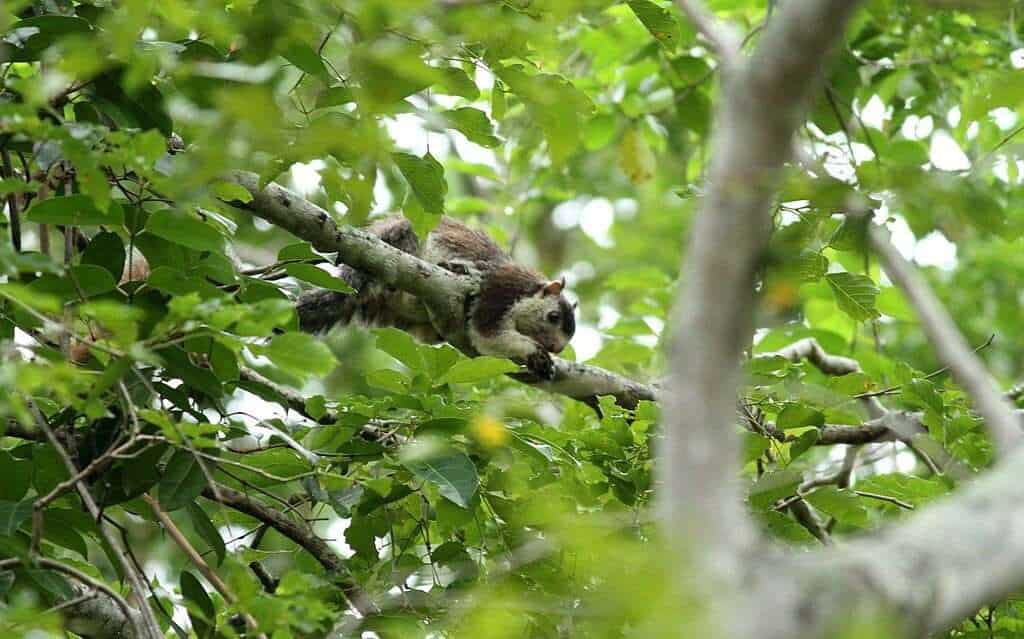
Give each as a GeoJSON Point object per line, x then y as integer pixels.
{"type": "Point", "coordinates": [764, 100]}
{"type": "Point", "coordinates": [443, 292]}
{"type": "Point", "coordinates": [96, 612]}
{"type": "Point", "coordinates": [950, 345]}
{"type": "Point", "coordinates": [924, 573]}
{"type": "Point", "coordinates": [304, 537]}
{"type": "Point", "coordinates": [722, 37]}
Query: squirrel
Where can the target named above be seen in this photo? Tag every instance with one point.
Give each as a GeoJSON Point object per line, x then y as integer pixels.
{"type": "Point", "coordinates": [517, 312]}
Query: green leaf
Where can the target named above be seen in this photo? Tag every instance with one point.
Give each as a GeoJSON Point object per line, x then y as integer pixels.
{"type": "Point", "coordinates": [334, 96]}
{"type": "Point", "coordinates": [389, 380]}
{"type": "Point", "coordinates": [474, 124]}
{"type": "Point", "coordinates": [636, 158]}
{"type": "Point", "coordinates": [106, 250]}
{"type": "Point", "coordinates": [659, 22]}
{"type": "Point", "coordinates": [455, 81]}
{"type": "Point", "coordinates": [811, 266]}
{"type": "Point", "coordinates": [555, 104]}
{"type": "Point", "coordinates": [401, 346]}
{"type": "Point", "coordinates": [803, 443]}
{"type": "Point", "coordinates": [141, 473]}
{"type": "Point", "coordinates": [306, 59]}
{"type": "Point", "coordinates": [17, 474]}
{"type": "Point", "coordinates": [73, 210]}
{"type": "Point", "coordinates": [182, 228]}
{"type": "Point", "coordinates": [893, 303]}
{"type": "Point", "coordinates": [453, 473]}
{"type": "Point", "coordinates": [205, 529]}
{"type": "Point", "coordinates": [785, 528]}
{"type": "Point", "coordinates": [477, 369]}
{"type": "Point", "coordinates": [232, 192]}
{"type": "Point", "coordinates": [772, 487]}
{"type": "Point", "coordinates": [51, 582]}
{"type": "Point", "coordinates": [841, 504]}
{"type": "Point", "coordinates": [753, 446]}
{"type": "Point", "coordinates": [299, 354]}
{"type": "Point", "coordinates": [62, 527]}
{"type": "Point", "coordinates": [855, 295]}
{"type": "Point", "coordinates": [922, 393]}
{"type": "Point", "coordinates": [799, 415]}
{"type": "Point", "coordinates": [297, 251]}
{"type": "Point", "coordinates": [426, 179]}
{"type": "Point", "coordinates": [13, 513]}
{"type": "Point", "coordinates": [318, 277]}
{"type": "Point", "coordinates": [201, 612]}
{"type": "Point", "coordinates": [915, 490]}
{"type": "Point", "coordinates": [600, 130]}
{"type": "Point", "coordinates": [182, 481]}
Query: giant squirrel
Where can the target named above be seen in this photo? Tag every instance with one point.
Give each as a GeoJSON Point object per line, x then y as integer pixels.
{"type": "Point", "coordinates": [516, 313]}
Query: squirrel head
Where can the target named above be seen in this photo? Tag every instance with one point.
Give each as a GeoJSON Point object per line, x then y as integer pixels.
{"type": "Point", "coordinates": [547, 316]}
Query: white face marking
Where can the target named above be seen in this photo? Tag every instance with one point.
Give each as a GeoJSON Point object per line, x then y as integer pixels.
{"type": "Point", "coordinates": [529, 316]}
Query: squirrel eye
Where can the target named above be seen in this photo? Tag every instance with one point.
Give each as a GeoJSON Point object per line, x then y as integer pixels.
{"type": "Point", "coordinates": [553, 317]}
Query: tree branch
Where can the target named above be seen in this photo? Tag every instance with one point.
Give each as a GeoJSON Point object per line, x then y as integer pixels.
{"type": "Point", "coordinates": [105, 615]}
{"type": "Point", "coordinates": [304, 537]}
{"type": "Point", "coordinates": [442, 291]}
{"type": "Point", "coordinates": [722, 37]}
{"type": "Point", "coordinates": [926, 568]}
{"type": "Point", "coordinates": [145, 623]}
{"type": "Point", "coordinates": [950, 345]}
{"type": "Point", "coordinates": [197, 560]}
{"type": "Point", "coordinates": [764, 100]}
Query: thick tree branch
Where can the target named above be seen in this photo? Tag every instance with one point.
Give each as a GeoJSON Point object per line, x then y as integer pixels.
{"type": "Point", "coordinates": [931, 571]}
{"type": "Point", "coordinates": [103, 614]}
{"type": "Point", "coordinates": [443, 292]}
{"type": "Point", "coordinates": [764, 100]}
{"type": "Point", "coordinates": [950, 345]}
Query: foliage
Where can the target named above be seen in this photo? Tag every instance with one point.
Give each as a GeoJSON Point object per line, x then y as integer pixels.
{"type": "Point", "coordinates": [459, 501]}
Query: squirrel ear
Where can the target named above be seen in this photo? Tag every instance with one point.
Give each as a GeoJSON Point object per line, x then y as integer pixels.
{"type": "Point", "coordinates": [554, 287]}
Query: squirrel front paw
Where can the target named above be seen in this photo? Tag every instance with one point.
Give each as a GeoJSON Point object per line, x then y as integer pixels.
{"type": "Point", "coordinates": [540, 364]}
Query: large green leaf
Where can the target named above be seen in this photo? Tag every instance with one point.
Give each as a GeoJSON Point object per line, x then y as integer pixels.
{"type": "Point", "coordinates": [478, 369]}
{"type": "Point", "coordinates": [453, 473]}
{"type": "Point", "coordinates": [13, 513]}
{"type": "Point", "coordinates": [182, 481]}
{"type": "Point", "coordinates": [299, 354]}
{"type": "Point", "coordinates": [75, 210]}
{"type": "Point", "coordinates": [425, 176]}
{"type": "Point", "coordinates": [855, 294]}
{"type": "Point", "coordinates": [474, 124]}
{"type": "Point", "coordinates": [182, 228]}
{"type": "Point", "coordinates": [318, 277]}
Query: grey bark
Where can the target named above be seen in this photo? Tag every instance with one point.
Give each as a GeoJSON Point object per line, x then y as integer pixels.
{"type": "Point", "coordinates": [764, 99]}
{"type": "Point", "coordinates": [923, 574]}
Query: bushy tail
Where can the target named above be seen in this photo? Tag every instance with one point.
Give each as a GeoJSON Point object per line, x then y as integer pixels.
{"type": "Point", "coordinates": [373, 304]}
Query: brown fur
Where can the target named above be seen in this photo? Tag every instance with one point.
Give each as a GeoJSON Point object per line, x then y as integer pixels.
{"type": "Point", "coordinates": [500, 290]}
{"type": "Point", "coordinates": [468, 244]}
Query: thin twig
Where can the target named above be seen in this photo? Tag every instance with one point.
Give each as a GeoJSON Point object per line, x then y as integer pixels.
{"type": "Point", "coordinates": [12, 201]}
{"type": "Point", "coordinates": [197, 559]}
{"type": "Point", "coordinates": [892, 500]}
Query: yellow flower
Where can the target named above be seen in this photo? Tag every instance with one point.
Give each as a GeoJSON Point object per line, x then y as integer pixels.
{"type": "Point", "coordinates": [490, 432]}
